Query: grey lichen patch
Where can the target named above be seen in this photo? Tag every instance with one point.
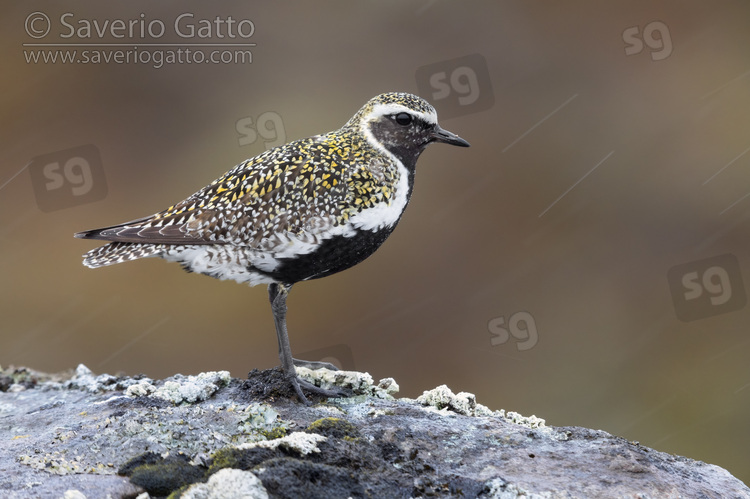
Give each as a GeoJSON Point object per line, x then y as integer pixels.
{"type": "Point", "coordinates": [143, 388]}
{"type": "Point", "coordinates": [182, 389]}
{"type": "Point", "coordinates": [170, 427]}
{"type": "Point", "coordinates": [445, 401]}
{"type": "Point", "coordinates": [300, 442]}
{"type": "Point", "coordinates": [227, 484]}
{"type": "Point", "coordinates": [192, 429]}
{"type": "Point", "coordinates": [57, 463]}
{"type": "Point", "coordinates": [389, 385]}
{"type": "Point", "coordinates": [84, 379]}
{"type": "Point", "coordinates": [497, 488]}
{"type": "Point", "coordinates": [262, 420]}
{"type": "Point", "coordinates": [530, 421]}
{"type": "Point", "coordinates": [358, 383]}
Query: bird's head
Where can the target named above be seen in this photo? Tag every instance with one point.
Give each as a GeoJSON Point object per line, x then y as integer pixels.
{"type": "Point", "coordinates": [403, 124]}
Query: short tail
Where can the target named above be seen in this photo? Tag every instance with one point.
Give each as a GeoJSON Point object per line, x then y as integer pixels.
{"type": "Point", "coordinates": [119, 252]}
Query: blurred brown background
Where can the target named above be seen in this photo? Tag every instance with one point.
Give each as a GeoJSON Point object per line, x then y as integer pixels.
{"type": "Point", "coordinates": [563, 266]}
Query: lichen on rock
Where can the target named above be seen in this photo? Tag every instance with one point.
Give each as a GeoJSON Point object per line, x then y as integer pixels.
{"type": "Point", "coordinates": [182, 389]}
{"type": "Point", "coordinates": [359, 383]}
{"type": "Point", "coordinates": [228, 484]}
{"type": "Point", "coordinates": [443, 399]}
{"type": "Point", "coordinates": [299, 442]}
{"type": "Point", "coordinates": [205, 436]}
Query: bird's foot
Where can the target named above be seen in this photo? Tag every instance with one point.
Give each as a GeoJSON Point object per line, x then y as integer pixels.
{"type": "Point", "coordinates": [294, 380]}
{"type": "Point", "coordinates": [314, 364]}
{"type": "Point", "coordinates": [298, 384]}
{"type": "Point", "coordinates": [325, 392]}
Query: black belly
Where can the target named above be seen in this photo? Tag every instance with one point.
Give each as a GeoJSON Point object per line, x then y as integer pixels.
{"type": "Point", "coordinates": [333, 255]}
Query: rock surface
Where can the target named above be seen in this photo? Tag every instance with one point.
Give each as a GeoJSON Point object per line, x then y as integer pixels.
{"type": "Point", "coordinates": [82, 436]}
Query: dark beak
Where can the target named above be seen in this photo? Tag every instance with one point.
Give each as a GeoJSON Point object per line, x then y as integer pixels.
{"type": "Point", "coordinates": [440, 135]}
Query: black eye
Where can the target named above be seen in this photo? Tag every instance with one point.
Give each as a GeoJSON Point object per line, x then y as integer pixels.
{"type": "Point", "coordinates": [403, 119]}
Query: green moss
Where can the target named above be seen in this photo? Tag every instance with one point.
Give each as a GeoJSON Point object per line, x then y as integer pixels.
{"type": "Point", "coordinates": [241, 459]}
{"type": "Point", "coordinates": [228, 457]}
{"type": "Point", "coordinates": [178, 493]}
{"type": "Point", "coordinates": [139, 460]}
{"type": "Point", "coordinates": [334, 427]}
{"type": "Point", "coordinates": [160, 476]}
{"type": "Point", "coordinates": [274, 433]}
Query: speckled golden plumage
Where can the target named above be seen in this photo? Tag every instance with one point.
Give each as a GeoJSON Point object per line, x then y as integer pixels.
{"type": "Point", "coordinates": [331, 177]}
{"type": "Point", "coordinates": [314, 182]}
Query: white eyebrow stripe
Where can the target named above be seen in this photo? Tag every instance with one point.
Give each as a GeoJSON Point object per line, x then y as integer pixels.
{"type": "Point", "coordinates": [393, 108]}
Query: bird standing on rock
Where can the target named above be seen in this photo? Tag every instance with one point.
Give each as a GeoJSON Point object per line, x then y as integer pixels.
{"type": "Point", "coordinates": [301, 211]}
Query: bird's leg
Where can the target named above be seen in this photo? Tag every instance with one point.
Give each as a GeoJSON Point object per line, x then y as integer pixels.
{"type": "Point", "coordinates": [277, 294]}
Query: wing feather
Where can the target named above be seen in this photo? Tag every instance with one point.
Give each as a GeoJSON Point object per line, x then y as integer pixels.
{"type": "Point", "coordinates": [291, 189]}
